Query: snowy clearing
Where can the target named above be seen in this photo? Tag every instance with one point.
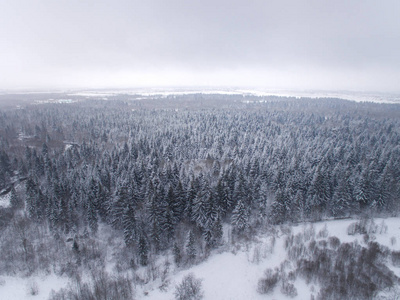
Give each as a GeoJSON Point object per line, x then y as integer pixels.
{"type": "Point", "coordinates": [36, 287]}
{"type": "Point", "coordinates": [5, 200]}
{"type": "Point", "coordinates": [232, 274]}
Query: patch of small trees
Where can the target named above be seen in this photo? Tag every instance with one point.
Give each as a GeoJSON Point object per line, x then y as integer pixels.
{"type": "Point", "coordinates": [189, 289]}
{"type": "Point", "coordinates": [341, 270]}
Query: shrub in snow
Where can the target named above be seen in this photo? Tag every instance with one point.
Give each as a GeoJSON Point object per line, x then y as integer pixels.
{"type": "Point", "coordinates": [353, 229]}
{"type": "Point", "coordinates": [309, 232]}
{"type": "Point", "coordinates": [165, 270]}
{"type": "Point", "coordinates": [396, 258]}
{"type": "Point", "coordinates": [256, 254]}
{"type": "Point", "coordinates": [289, 241]}
{"type": "Point", "coordinates": [101, 286]}
{"type": "Point", "coordinates": [383, 228]}
{"type": "Point", "coordinates": [366, 238]}
{"type": "Point", "coordinates": [312, 246]}
{"type": "Point", "coordinates": [288, 289]}
{"type": "Point", "coordinates": [268, 283]}
{"type": "Point", "coordinates": [292, 275]}
{"type": "Point", "coordinates": [189, 289]}
{"type": "Point", "coordinates": [334, 242]}
{"type": "Point", "coordinates": [33, 288]}
{"type": "Point", "coordinates": [322, 244]}
{"type": "Point", "coordinates": [297, 251]}
{"type": "Point", "coordinates": [364, 226]}
{"type": "Point", "coordinates": [323, 233]}
{"type": "Point", "coordinates": [349, 271]}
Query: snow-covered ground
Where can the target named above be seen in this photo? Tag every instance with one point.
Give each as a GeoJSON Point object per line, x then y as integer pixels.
{"type": "Point", "coordinates": [232, 273]}
{"type": "Point", "coordinates": [230, 276]}
{"type": "Point", "coordinates": [36, 287]}
{"type": "Point", "coordinates": [235, 275]}
{"type": "Point", "coordinates": [5, 200]}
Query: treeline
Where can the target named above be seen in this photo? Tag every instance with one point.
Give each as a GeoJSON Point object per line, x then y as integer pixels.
{"type": "Point", "coordinates": [168, 177]}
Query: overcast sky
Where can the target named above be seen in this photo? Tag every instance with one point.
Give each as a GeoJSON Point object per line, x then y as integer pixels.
{"type": "Point", "coordinates": [283, 44]}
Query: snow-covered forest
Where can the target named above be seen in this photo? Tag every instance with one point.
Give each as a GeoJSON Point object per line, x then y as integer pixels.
{"type": "Point", "coordinates": [188, 176]}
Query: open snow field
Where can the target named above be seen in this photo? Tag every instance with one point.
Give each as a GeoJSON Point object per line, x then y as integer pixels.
{"type": "Point", "coordinates": [234, 275]}
{"type": "Point", "coordinates": [35, 287]}
{"type": "Point", "coordinates": [229, 274]}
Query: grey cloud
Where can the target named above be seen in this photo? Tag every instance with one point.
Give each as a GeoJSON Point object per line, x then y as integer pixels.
{"type": "Point", "coordinates": [94, 42]}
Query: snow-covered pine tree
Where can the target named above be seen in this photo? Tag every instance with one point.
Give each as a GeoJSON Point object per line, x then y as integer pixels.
{"type": "Point", "coordinates": [240, 217]}
{"type": "Point", "coordinates": [15, 200]}
{"type": "Point", "coordinates": [143, 251]}
{"type": "Point", "coordinates": [191, 251]}
{"type": "Point", "coordinates": [129, 225]}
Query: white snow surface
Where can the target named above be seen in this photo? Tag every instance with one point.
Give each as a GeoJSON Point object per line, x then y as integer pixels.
{"type": "Point", "coordinates": [16, 288]}
{"type": "Point", "coordinates": [234, 274]}
{"type": "Point", "coordinates": [226, 276]}
{"type": "Point", "coordinates": [227, 273]}
{"type": "Point", "coordinates": [5, 200]}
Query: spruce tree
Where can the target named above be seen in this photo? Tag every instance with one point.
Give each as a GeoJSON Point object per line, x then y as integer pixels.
{"type": "Point", "coordinates": [15, 200]}
{"type": "Point", "coordinates": [177, 254]}
{"type": "Point", "coordinates": [191, 247]}
{"type": "Point", "coordinates": [92, 217]}
{"type": "Point", "coordinates": [279, 208]}
{"type": "Point", "coordinates": [240, 217]}
{"type": "Point", "coordinates": [143, 251]}
{"type": "Point", "coordinates": [129, 225]}
{"type": "Point", "coordinates": [217, 232]}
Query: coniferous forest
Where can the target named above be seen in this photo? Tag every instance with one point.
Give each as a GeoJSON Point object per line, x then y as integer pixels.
{"type": "Point", "coordinates": [171, 174]}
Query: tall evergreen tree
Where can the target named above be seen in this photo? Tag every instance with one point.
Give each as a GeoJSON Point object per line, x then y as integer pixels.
{"type": "Point", "coordinates": [15, 200]}
{"type": "Point", "coordinates": [279, 208]}
{"type": "Point", "coordinates": [143, 251]}
{"type": "Point", "coordinates": [92, 217]}
{"type": "Point", "coordinates": [129, 225]}
{"type": "Point", "coordinates": [240, 217]}
{"type": "Point", "coordinates": [191, 251]}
